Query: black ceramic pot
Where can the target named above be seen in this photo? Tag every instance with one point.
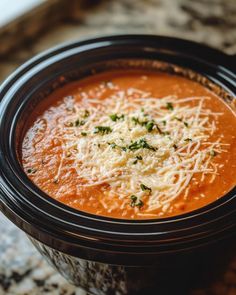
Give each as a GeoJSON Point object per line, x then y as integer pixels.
{"type": "Point", "coordinates": [105, 255]}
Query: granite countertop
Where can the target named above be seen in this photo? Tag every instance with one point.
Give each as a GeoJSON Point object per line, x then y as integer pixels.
{"type": "Point", "coordinates": [213, 22]}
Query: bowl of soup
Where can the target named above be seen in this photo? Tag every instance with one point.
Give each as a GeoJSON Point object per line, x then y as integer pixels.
{"type": "Point", "coordinates": [119, 159]}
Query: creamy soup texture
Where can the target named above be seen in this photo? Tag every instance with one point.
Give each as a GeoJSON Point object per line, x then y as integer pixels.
{"type": "Point", "coordinates": [132, 145]}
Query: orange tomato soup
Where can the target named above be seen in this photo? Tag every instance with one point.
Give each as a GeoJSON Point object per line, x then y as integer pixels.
{"type": "Point", "coordinates": [132, 145]}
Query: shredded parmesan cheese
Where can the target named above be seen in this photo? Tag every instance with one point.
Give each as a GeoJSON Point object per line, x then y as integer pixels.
{"type": "Point", "coordinates": [131, 139]}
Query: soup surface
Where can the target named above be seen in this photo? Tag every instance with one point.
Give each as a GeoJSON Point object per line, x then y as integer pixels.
{"type": "Point", "coordinates": [132, 145]}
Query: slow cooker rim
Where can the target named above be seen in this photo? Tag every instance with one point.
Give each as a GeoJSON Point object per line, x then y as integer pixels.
{"type": "Point", "coordinates": [7, 85]}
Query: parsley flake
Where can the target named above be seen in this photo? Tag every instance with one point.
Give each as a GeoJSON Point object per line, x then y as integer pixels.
{"type": "Point", "coordinates": [185, 124]}
{"type": "Point", "coordinates": [169, 106]}
{"type": "Point", "coordinates": [79, 123]}
{"type": "Point", "coordinates": [141, 143]}
{"type": "Point", "coordinates": [149, 126]}
{"type": "Point", "coordinates": [102, 129]}
{"type": "Point", "coordinates": [159, 129]}
{"type": "Point", "coordinates": [178, 119]}
{"type": "Point", "coordinates": [115, 117]}
{"type": "Point", "coordinates": [145, 188]}
{"type": "Point", "coordinates": [135, 202]}
{"type": "Point", "coordinates": [31, 170]}
{"type": "Point", "coordinates": [86, 114]}
{"type": "Point", "coordinates": [138, 158]}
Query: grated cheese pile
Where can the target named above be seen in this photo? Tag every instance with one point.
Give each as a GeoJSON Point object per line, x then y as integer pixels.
{"type": "Point", "coordinates": [141, 147]}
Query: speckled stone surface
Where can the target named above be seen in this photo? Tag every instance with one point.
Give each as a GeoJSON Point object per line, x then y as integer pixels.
{"type": "Point", "coordinates": [213, 22]}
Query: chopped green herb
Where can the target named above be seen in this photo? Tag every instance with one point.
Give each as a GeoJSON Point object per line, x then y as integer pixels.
{"type": "Point", "coordinates": [133, 199]}
{"type": "Point", "coordinates": [187, 139]}
{"type": "Point", "coordinates": [135, 202]}
{"type": "Point", "coordinates": [31, 170]}
{"type": "Point", "coordinates": [178, 119]}
{"type": "Point", "coordinates": [115, 117]}
{"type": "Point", "coordinates": [159, 129]}
{"type": "Point", "coordinates": [136, 121]}
{"type": "Point", "coordinates": [139, 204]}
{"type": "Point", "coordinates": [185, 124]}
{"type": "Point", "coordinates": [141, 143]}
{"type": "Point", "coordinates": [145, 188]}
{"type": "Point", "coordinates": [164, 123]}
{"type": "Point", "coordinates": [169, 106]}
{"type": "Point", "coordinates": [79, 122]}
{"type": "Point", "coordinates": [84, 133]}
{"type": "Point", "coordinates": [114, 145]}
{"type": "Point", "coordinates": [102, 129]}
{"type": "Point", "coordinates": [137, 158]}
{"type": "Point", "coordinates": [86, 114]}
{"type": "Point", "coordinates": [149, 126]}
